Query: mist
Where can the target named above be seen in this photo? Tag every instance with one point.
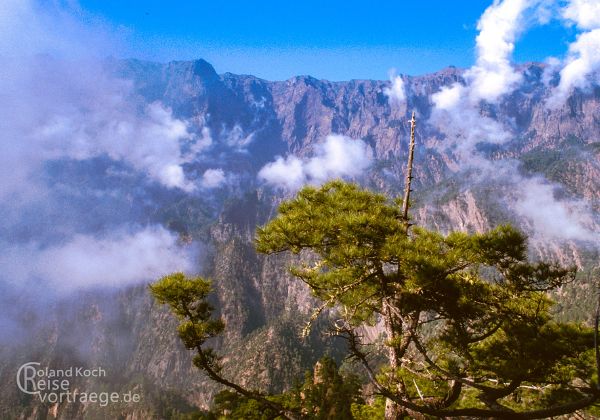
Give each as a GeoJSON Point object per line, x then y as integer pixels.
{"type": "Point", "coordinates": [82, 157]}
{"type": "Point", "coordinates": [458, 113]}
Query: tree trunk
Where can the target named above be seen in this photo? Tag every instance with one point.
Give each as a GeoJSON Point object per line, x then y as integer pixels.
{"type": "Point", "coordinates": [393, 330]}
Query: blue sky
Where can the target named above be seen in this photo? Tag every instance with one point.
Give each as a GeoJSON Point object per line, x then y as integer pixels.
{"type": "Point", "coordinates": [336, 40]}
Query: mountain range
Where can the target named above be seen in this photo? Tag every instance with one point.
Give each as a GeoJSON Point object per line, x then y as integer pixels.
{"type": "Point", "coordinates": [527, 163]}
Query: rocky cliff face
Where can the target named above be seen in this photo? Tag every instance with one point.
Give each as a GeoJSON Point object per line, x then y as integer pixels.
{"type": "Point", "coordinates": [252, 121]}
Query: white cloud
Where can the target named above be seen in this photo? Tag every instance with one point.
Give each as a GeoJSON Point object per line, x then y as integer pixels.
{"type": "Point", "coordinates": [493, 74]}
{"type": "Point", "coordinates": [118, 259]}
{"type": "Point", "coordinates": [584, 13]}
{"type": "Point", "coordinates": [338, 156]}
{"type": "Point", "coordinates": [553, 64]}
{"type": "Point", "coordinates": [492, 77]}
{"type": "Point", "coordinates": [287, 173]}
{"type": "Point", "coordinates": [396, 92]}
{"type": "Point", "coordinates": [457, 107]}
{"type": "Point", "coordinates": [172, 176]}
{"type": "Point", "coordinates": [465, 128]}
{"type": "Point", "coordinates": [583, 57]}
{"type": "Point", "coordinates": [500, 26]}
{"type": "Point", "coordinates": [213, 178]}
{"type": "Point", "coordinates": [582, 60]}
{"type": "Point", "coordinates": [550, 217]}
{"type": "Point", "coordinates": [448, 97]}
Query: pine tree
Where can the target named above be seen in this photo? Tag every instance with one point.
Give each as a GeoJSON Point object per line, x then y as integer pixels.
{"type": "Point", "coordinates": [466, 316]}
{"type": "Point", "coordinates": [467, 320]}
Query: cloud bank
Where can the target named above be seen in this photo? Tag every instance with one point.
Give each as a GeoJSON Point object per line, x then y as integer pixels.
{"type": "Point", "coordinates": [213, 178]}
{"type": "Point", "coordinates": [61, 103]}
{"type": "Point", "coordinates": [116, 259]}
{"type": "Point", "coordinates": [493, 75]}
{"type": "Point", "coordinates": [338, 156]}
{"type": "Point", "coordinates": [458, 111]}
{"type": "Point", "coordinates": [564, 220]}
{"type": "Point", "coordinates": [55, 109]}
{"type": "Point", "coordinates": [583, 57]}
{"type": "Point", "coordinates": [500, 26]}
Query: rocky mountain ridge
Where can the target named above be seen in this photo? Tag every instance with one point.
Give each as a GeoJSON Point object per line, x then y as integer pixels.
{"type": "Point", "coordinates": [251, 122]}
